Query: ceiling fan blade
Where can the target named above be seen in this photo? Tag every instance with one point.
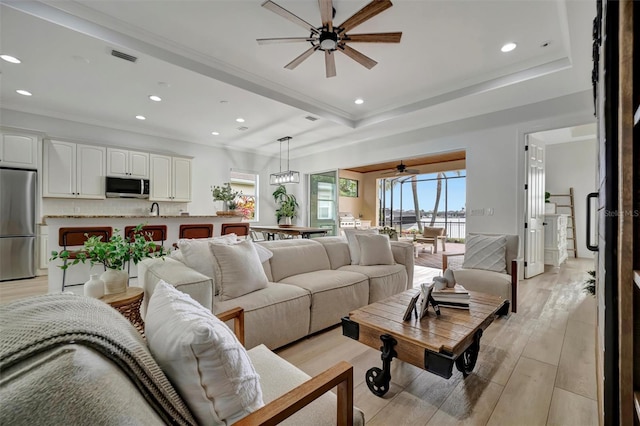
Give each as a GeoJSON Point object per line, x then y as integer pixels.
{"type": "Point", "coordinates": [283, 40]}
{"type": "Point", "coordinates": [366, 13]}
{"type": "Point", "coordinates": [373, 38]}
{"type": "Point", "coordinates": [362, 59]}
{"type": "Point", "coordinates": [288, 15]}
{"type": "Point", "coordinates": [326, 13]}
{"type": "Point", "coordinates": [297, 61]}
{"type": "Point", "coordinates": [330, 63]}
{"type": "Point", "coordinates": [412, 171]}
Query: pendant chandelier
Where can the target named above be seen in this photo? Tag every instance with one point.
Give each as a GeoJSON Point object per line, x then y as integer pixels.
{"type": "Point", "coordinates": [286, 176]}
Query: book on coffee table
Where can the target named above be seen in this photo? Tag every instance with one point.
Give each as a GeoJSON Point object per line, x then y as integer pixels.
{"type": "Point", "coordinates": [456, 297]}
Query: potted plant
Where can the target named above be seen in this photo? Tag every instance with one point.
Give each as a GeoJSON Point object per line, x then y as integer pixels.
{"type": "Point", "coordinates": [287, 205]}
{"type": "Point", "coordinates": [227, 195]}
{"type": "Point", "coordinates": [114, 254]}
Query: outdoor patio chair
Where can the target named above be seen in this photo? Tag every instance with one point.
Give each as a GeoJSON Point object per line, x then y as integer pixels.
{"type": "Point", "coordinates": [431, 235]}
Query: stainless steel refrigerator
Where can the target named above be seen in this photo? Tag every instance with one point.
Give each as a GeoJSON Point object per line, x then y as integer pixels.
{"type": "Point", "coordinates": [17, 224]}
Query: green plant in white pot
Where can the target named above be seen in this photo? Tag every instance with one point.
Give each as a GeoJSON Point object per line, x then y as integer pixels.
{"type": "Point", "coordinates": [287, 205]}
{"type": "Point", "coordinates": [114, 254]}
{"type": "Point", "coordinates": [226, 194]}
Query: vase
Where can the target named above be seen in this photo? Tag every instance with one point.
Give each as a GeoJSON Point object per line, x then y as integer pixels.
{"type": "Point", "coordinates": [94, 287]}
{"type": "Point", "coordinates": [225, 206]}
{"type": "Point", "coordinates": [287, 221]}
{"type": "Point", "coordinates": [115, 281]}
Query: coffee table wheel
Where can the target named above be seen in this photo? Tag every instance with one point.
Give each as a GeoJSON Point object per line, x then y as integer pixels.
{"type": "Point", "coordinates": [376, 381]}
{"type": "Point", "coordinates": [467, 361]}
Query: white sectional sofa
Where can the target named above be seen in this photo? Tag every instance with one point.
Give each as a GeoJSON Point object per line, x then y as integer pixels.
{"type": "Point", "coordinates": [311, 285]}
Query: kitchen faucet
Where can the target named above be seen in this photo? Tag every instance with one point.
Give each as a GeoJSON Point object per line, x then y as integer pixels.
{"type": "Point", "coordinates": [157, 208]}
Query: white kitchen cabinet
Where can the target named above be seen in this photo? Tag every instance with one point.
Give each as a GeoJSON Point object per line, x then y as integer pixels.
{"type": "Point", "coordinates": [555, 239]}
{"type": "Point", "coordinates": [170, 178]}
{"type": "Point", "coordinates": [43, 251]}
{"type": "Point", "coordinates": [18, 150]}
{"type": "Point", "coordinates": [122, 162]}
{"type": "Point", "coordinates": [73, 170]}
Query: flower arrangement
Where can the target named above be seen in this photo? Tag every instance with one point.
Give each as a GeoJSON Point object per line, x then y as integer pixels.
{"type": "Point", "coordinates": [114, 253]}
{"type": "Point", "coordinates": [247, 205]}
{"type": "Point", "coordinates": [224, 193]}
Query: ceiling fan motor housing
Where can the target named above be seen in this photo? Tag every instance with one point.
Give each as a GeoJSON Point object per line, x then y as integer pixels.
{"type": "Point", "coordinates": [328, 40]}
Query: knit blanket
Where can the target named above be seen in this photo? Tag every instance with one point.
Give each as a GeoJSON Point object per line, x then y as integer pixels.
{"type": "Point", "coordinates": [34, 325]}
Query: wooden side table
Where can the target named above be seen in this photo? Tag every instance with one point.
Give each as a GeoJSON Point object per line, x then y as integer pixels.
{"type": "Point", "coordinates": [128, 304]}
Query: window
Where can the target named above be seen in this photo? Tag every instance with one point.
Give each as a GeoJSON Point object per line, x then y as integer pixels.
{"type": "Point", "coordinates": [247, 182]}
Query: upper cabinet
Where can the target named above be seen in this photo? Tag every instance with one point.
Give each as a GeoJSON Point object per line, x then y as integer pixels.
{"type": "Point", "coordinates": [121, 162]}
{"type": "Point", "coordinates": [170, 178]}
{"type": "Point", "coordinates": [73, 170]}
{"type": "Point", "coordinates": [18, 150]}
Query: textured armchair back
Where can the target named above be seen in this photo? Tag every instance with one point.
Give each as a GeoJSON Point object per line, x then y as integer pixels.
{"type": "Point", "coordinates": [513, 247]}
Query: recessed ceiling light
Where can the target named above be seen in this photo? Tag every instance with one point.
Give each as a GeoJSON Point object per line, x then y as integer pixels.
{"type": "Point", "coordinates": [215, 133]}
{"type": "Point", "coordinates": [508, 47]}
{"type": "Point", "coordinates": [141, 117]}
{"type": "Point", "coordinates": [240, 120]}
{"type": "Point", "coordinates": [359, 101]}
{"type": "Point", "coordinates": [23, 92]}
{"type": "Point", "coordinates": [10, 58]}
{"type": "Point", "coordinates": [155, 98]}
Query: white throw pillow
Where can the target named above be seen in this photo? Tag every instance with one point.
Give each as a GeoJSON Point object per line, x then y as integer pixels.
{"type": "Point", "coordinates": [375, 250]}
{"type": "Point", "coordinates": [354, 247]}
{"type": "Point", "coordinates": [263, 253]}
{"type": "Point", "coordinates": [238, 269]}
{"type": "Point", "coordinates": [486, 252]}
{"type": "Point", "coordinates": [196, 253]}
{"type": "Point", "coordinates": [202, 357]}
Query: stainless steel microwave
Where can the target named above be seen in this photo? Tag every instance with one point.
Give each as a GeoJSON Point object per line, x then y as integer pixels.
{"type": "Point", "coordinates": [117, 187]}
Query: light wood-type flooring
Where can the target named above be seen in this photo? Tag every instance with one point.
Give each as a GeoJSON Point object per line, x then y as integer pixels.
{"type": "Point", "coordinates": [536, 367]}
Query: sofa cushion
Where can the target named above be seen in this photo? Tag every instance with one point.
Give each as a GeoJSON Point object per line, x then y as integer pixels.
{"type": "Point", "coordinates": [202, 358]}
{"type": "Point", "coordinates": [333, 295]}
{"type": "Point", "coordinates": [486, 252]}
{"type": "Point", "coordinates": [354, 247]}
{"type": "Point", "coordinates": [293, 257]}
{"type": "Point", "coordinates": [238, 269]}
{"type": "Point", "coordinates": [276, 315]}
{"type": "Point", "coordinates": [195, 253]}
{"type": "Point", "coordinates": [484, 281]}
{"type": "Point", "coordinates": [278, 377]}
{"type": "Point", "coordinates": [384, 280]}
{"type": "Point", "coordinates": [337, 250]}
{"type": "Point", "coordinates": [374, 250]}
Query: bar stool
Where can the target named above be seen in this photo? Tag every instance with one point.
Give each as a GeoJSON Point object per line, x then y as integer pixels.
{"type": "Point", "coordinates": [196, 230]}
{"type": "Point", "coordinates": [73, 237]}
{"type": "Point", "coordinates": [150, 233]}
{"type": "Point", "coordinates": [241, 229]}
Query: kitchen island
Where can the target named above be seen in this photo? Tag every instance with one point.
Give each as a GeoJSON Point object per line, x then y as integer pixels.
{"type": "Point", "coordinates": [79, 274]}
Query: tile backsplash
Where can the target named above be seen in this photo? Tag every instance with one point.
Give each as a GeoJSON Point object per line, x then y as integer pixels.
{"type": "Point", "coordinates": [115, 206]}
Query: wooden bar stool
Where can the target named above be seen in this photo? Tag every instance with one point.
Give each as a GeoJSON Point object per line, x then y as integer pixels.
{"type": "Point", "coordinates": [241, 229]}
{"type": "Point", "coordinates": [150, 233]}
{"type": "Point", "coordinates": [196, 230]}
{"type": "Point", "coordinates": [76, 236]}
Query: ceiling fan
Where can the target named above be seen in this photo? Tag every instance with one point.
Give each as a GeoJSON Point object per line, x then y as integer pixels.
{"type": "Point", "coordinates": [401, 170]}
{"type": "Point", "coordinates": [329, 38]}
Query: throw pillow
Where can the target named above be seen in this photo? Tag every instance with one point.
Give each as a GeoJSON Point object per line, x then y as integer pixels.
{"type": "Point", "coordinates": [202, 357]}
{"type": "Point", "coordinates": [486, 252]}
{"type": "Point", "coordinates": [238, 269]}
{"type": "Point", "coordinates": [263, 253]}
{"type": "Point", "coordinates": [196, 253]}
{"type": "Point", "coordinates": [354, 247]}
{"type": "Point", "coordinates": [375, 250]}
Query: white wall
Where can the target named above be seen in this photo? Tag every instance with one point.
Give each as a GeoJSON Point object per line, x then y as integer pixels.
{"type": "Point", "coordinates": [573, 164]}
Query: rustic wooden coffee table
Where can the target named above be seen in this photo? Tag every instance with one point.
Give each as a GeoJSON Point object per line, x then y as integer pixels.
{"type": "Point", "coordinates": [434, 343]}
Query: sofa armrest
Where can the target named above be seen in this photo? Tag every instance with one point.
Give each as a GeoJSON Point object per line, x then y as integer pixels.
{"type": "Point", "coordinates": [150, 271]}
{"type": "Point", "coordinates": [340, 375]}
{"type": "Point", "coordinates": [236, 314]}
{"type": "Point", "coordinates": [403, 253]}
{"type": "Point", "coordinates": [445, 259]}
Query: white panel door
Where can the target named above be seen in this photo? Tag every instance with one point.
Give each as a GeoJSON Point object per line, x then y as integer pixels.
{"type": "Point", "coordinates": [17, 150]}
{"type": "Point", "coordinates": [160, 179]}
{"type": "Point", "coordinates": [91, 171]}
{"type": "Point", "coordinates": [139, 164]}
{"type": "Point", "coordinates": [181, 179]}
{"type": "Point", "coordinates": [534, 221]}
{"type": "Point", "coordinates": [59, 167]}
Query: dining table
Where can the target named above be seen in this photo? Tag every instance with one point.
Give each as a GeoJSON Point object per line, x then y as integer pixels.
{"type": "Point", "coordinates": [297, 231]}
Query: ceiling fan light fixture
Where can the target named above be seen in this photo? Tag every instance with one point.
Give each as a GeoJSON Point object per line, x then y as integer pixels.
{"type": "Point", "coordinates": [328, 40]}
{"type": "Point", "coordinates": [286, 176]}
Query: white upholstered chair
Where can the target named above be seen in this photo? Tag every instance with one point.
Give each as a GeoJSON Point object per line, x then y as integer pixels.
{"type": "Point", "coordinates": [476, 276]}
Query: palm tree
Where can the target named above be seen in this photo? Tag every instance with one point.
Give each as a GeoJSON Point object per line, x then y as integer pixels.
{"type": "Point", "coordinates": [438, 193]}
{"type": "Point", "coordinates": [414, 189]}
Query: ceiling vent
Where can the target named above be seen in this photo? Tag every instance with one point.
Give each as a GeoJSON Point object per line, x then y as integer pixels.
{"type": "Point", "coordinates": [243, 128]}
{"type": "Point", "coordinates": [123, 55]}
{"type": "Point", "coordinates": [311, 118]}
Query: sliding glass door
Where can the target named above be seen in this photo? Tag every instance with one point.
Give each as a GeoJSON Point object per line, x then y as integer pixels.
{"type": "Point", "coordinates": [323, 201]}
